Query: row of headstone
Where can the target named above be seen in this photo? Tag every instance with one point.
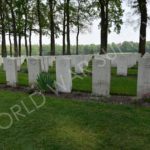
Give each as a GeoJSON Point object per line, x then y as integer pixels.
{"type": "Point", "coordinates": [20, 61]}
{"type": "Point", "coordinates": [46, 62]}
{"type": "Point", "coordinates": [78, 62]}
{"type": "Point", "coordinates": [125, 61]}
{"type": "Point", "coordinates": [63, 72]}
{"type": "Point", "coordinates": [101, 73]}
{"type": "Point", "coordinates": [131, 57]}
{"type": "Point", "coordinates": [122, 61]}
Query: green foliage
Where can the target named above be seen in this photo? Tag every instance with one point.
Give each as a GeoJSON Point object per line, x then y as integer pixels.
{"type": "Point", "coordinates": [115, 15]}
{"type": "Point", "coordinates": [89, 49]}
{"type": "Point", "coordinates": [114, 10]}
{"type": "Point", "coordinates": [44, 82]}
{"type": "Point", "coordinates": [92, 48]}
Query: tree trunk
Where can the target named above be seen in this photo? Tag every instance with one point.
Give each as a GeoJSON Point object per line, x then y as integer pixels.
{"type": "Point", "coordinates": [25, 37]}
{"type": "Point", "coordinates": [4, 50]}
{"type": "Point", "coordinates": [104, 27]}
{"type": "Point", "coordinates": [52, 28]}
{"type": "Point", "coordinates": [68, 27]}
{"type": "Point", "coordinates": [77, 41]}
{"type": "Point", "coordinates": [78, 30]}
{"type": "Point", "coordinates": [10, 43]}
{"type": "Point", "coordinates": [64, 30]}
{"type": "Point", "coordinates": [30, 42]}
{"type": "Point", "coordinates": [26, 44]}
{"type": "Point", "coordinates": [64, 38]}
{"type": "Point", "coordinates": [2, 16]}
{"type": "Point", "coordinates": [10, 3]}
{"type": "Point", "coordinates": [143, 26]}
{"type": "Point", "coordinates": [40, 42]}
{"type": "Point", "coordinates": [25, 28]}
{"type": "Point", "coordinates": [15, 35]}
{"type": "Point", "coordinates": [20, 44]}
{"type": "Point", "coordinates": [40, 28]}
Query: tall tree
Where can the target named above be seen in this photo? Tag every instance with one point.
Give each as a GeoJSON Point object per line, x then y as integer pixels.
{"type": "Point", "coordinates": [32, 22]}
{"type": "Point", "coordinates": [83, 18]}
{"type": "Point", "coordinates": [104, 25]}
{"type": "Point", "coordinates": [64, 28]}
{"type": "Point", "coordinates": [3, 29]}
{"type": "Point", "coordinates": [68, 26]}
{"type": "Point", "coordinates": [26, 10]}
{"type": "Point", "coordinates": [143, 11]}
{"type": "Point", "coordinates": [42, 20]}
{"type": "Point", "coordinates": [10, 43]}
{"type": "Point", "coordinates": [140, 7]}
{"type": "Point", "coordinates": [40, 26]}
{"type": "Point", "coordinates": [19, 23]}
{"type": "Point", "coordinates": [12, 5]}
{"type": "Point", "coordinates": [110, 12]}
{"type": "Point", "coordinates": [9, 30]}
{"type": "Point", "coordinates": [52, 4]}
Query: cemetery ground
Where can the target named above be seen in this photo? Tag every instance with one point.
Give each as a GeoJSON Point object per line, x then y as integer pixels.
{"type": "Point", "coordinates": [70, 124]}
{"type": "Point", "coordinates": [67, 123]}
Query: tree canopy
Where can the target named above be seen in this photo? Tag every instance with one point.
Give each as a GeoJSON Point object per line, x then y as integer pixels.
{"type": "Point", "coordinates": [21, 19]}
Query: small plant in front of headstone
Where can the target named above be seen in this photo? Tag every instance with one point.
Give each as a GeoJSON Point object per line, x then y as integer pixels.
{"type": "Point", "coordinates": [44, 82]}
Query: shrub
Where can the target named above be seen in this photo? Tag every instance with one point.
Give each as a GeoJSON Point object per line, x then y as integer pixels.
{"type": "Point", "coordinates": [44, 82]}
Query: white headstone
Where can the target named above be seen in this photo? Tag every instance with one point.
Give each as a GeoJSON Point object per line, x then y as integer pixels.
{"type": "Point", "coordinates": [82, 60]}
{"type": "Point", "coordinates": [1, 60]}
{"type": "Point", "coordinates": [4, 63]}
{"type": "Point", "coordinates": [18, 63]}
{"type": "Point", "coordinates": [45, 63]}
{"type": "Point", "coordinates": [122, 65]}
{"type": "Point", "coordinates": [63, 75]}
{"type": "Point", "coordinates": [11, 71]}
{"type": "Point", "coordinates": [143, 85]}
{"type": "Point", "coordinates": [110, 56]}
{"type": "Point", "coordinates": [73, 60]}
{"type": "Point", "coordinates": [34, 69]}
{"type": "Point", "coordinates": [132, 59]}
{"type": "Point", "coordinates": [79, 64]}
{"type": "Point", "coordinates": [113, 58]}
{"type": "Point", "coordinates": [101, 77]}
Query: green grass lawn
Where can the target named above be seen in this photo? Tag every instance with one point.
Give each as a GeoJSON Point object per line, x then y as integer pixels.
{"type": "Point", "coordinates": [65, 124]}
{"type": "Point", "coordinates": [119, 85]}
